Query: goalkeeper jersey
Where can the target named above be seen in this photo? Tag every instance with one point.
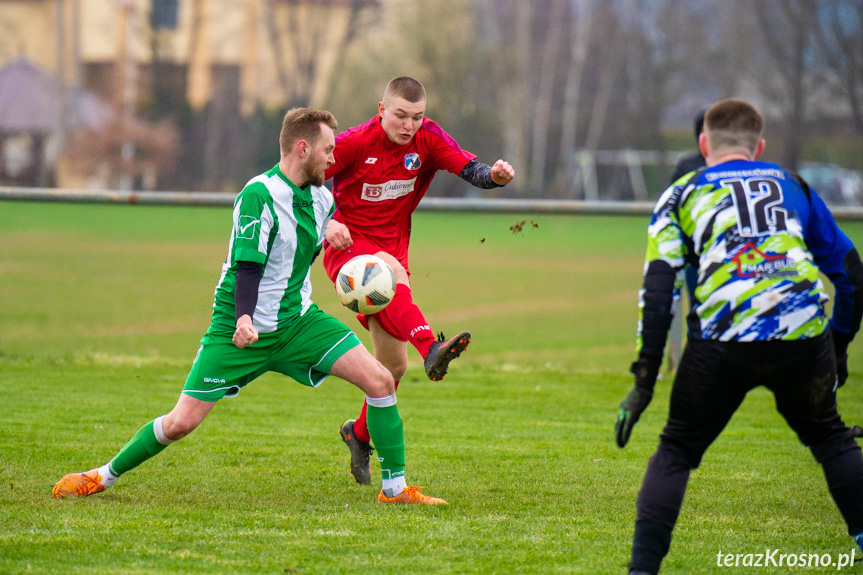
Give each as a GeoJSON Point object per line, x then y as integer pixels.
{"type": "Point", "coordinates": [758, 237]}
{"type": "Point", "coordinates": [281, 226]}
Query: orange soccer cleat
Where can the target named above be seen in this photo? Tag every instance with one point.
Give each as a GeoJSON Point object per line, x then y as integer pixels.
{"type": "Point", "coordinates": [411, 494]}
{"type": "Point", "coordinates": [79, 484]}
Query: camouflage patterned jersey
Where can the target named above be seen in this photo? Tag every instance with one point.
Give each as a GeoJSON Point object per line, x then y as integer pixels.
{"type": "Point", "coordinates": [758, 237]}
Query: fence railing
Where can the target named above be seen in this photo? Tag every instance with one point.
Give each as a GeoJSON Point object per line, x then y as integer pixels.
{"type": "Point", "coordinates": [215, 199]}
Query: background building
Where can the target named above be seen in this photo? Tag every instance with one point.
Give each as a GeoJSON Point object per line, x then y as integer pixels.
{"type": "Point", "coordinates": [587, 98]}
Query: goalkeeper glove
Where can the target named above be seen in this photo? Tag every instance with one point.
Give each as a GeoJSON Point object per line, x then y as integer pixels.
{"type": "Point", "coordinates": [840, 348]}
{"type": "Point", "coordinates": [636, 401]}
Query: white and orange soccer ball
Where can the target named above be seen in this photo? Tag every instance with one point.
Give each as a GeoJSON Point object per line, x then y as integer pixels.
{"type": "Point", "coordinates": [366, 284]}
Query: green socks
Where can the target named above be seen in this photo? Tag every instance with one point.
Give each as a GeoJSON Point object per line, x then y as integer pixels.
{"type": "Point", "coordinates": [385, 428]}
{"type": "Point", "coordinates": [147, 442]}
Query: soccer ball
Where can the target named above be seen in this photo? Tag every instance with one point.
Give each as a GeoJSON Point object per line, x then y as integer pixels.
{"type": "Point", "coordinates": [366, 284]}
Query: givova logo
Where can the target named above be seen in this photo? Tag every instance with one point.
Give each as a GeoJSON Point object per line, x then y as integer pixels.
{"type": "Point", "coordinates": [247, 227]}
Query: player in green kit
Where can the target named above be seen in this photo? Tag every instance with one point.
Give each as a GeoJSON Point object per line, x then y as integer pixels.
{"type": "Point", "coordinates": [264, 319]}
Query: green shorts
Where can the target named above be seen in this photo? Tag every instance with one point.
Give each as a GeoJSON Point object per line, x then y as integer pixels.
{"type": "Point", "coordinates": [304, 351]}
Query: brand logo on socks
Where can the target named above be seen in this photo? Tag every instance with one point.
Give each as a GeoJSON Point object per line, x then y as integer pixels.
{"type": "Point", "coordinates": [213, 380]}
{"type": "Point", "coordinates": [419, 328]}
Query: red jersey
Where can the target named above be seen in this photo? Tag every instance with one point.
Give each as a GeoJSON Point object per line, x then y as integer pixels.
{"type": "Point", "coordinates": [378, 184]}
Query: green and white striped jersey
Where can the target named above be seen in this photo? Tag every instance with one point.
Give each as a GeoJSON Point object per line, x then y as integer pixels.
{"type": "Point", "coordinates": [282, 227]}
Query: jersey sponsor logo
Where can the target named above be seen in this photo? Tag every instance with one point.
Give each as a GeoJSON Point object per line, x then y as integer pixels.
{"type": "Point", "coordinates": [213, 380]}
{"type": "Point", "coordinates": [303, 203]}
{"type": "Point", "coordinates": [753, 263]}
{"type": "Point", "coordinates": [412, 161]}
{"type": "Point", "coordinates": [371, 160]}
{"type": "Point", "coordinates": [388, 190]}
{"type": "Point", "coordinates": [247, 227]}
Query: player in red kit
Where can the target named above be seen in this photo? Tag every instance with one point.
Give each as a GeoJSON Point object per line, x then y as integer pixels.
{"type": "Point", "coordinates": [382, 171]}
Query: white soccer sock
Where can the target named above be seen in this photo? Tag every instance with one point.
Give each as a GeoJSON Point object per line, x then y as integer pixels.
{"type": "Point", "coordinates": [393, 487]}
{"type": "Point", "coordinates": [159, 432]}
{"type": "Point", "coordinates": [108, 478]}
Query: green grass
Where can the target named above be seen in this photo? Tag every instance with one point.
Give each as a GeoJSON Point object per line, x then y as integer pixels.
{"type": "Point", "coordinates": [103, 307]}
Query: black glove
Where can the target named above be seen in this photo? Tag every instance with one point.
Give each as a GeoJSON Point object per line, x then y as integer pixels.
{"type": "Point", "coordinates": [840, 348]}
{"type": "Point", "coordinates": [636, 401]}
{"type": "Point", "coordinates": [841, 370]}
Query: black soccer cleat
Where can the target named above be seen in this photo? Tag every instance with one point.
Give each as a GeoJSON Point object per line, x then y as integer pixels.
{"type": "Point", "coordinates": [360, 452]}
{"type": "Point", "coordinates": [442, 352]}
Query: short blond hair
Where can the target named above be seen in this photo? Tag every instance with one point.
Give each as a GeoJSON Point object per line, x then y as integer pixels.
{"type": "Point", "coordinates": [304, 124]}
{"type": "Point", "coordinates": [405, 87]}
{"type": "Point", "coordinates": [733, 124]}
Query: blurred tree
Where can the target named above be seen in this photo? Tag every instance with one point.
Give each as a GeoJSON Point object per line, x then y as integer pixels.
{"type": "Point", "coordinates": [574, 73]}
{"type": "Point", "coordinates": [510, 35]}
{"type": "Point", "coordinates": [840, 37]}
{"type": "Point", "coordinates": [99, 152]}
{"type": "Point", "coordinates": [531, 82]}
{"type": "Point", "coordinates": [296, 36]}
{"type": "Point", "coordinates": [407, 39]}
{"type": "Point", "coordinates": [786, 28]}
{"type": "Point", "coordinates": [551, 51]}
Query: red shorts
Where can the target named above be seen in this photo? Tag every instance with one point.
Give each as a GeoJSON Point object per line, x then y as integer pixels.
{"type": "Point", "coordinates": [334, 260]}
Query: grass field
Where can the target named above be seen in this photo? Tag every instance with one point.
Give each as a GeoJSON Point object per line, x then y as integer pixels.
{"type": "Point", "coordinates": [102, 311]}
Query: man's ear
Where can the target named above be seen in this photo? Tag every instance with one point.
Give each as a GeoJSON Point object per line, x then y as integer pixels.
{"type": "Point", "coordinates": [702, 144]}
{"type": "Point", "coordinates": [759, 149]}
{"type": "Point", "coordinates": [381, 109]}
{"type": "Point", "coordinates": [302, 148]}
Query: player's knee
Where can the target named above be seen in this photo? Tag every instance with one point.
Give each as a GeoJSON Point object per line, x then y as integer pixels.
{"type": "Point", "coordinates": [397, 368]}
{"type": "Point", "coordinates": [398, 269]}
{"type": "Point", "coordinates": [179, 427]}
{"type": "Point", "coordinates": [382, 383]}
{"type": "Point", "coordinates": [679, 455]}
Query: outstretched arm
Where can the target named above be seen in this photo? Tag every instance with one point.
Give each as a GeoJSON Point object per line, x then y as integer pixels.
{"type": "Point", "coordinates": [484, 176]}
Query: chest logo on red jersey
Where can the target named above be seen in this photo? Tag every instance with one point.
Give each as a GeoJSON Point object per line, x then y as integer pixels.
{"type": "Point", "coordinates": [388, 190]}
{"type": "Point", "coordinates": [412, 161]}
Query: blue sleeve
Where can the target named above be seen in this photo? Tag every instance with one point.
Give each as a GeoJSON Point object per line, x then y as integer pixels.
{"type": "Point", "coordinates": [829, 246]}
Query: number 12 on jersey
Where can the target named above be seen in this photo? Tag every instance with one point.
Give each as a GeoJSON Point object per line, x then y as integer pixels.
{"type": "Point", "coordinates": [758, 202]}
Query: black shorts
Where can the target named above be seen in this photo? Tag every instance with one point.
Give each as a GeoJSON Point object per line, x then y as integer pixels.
{"type": "Point", "coordinates": [714, 377]}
